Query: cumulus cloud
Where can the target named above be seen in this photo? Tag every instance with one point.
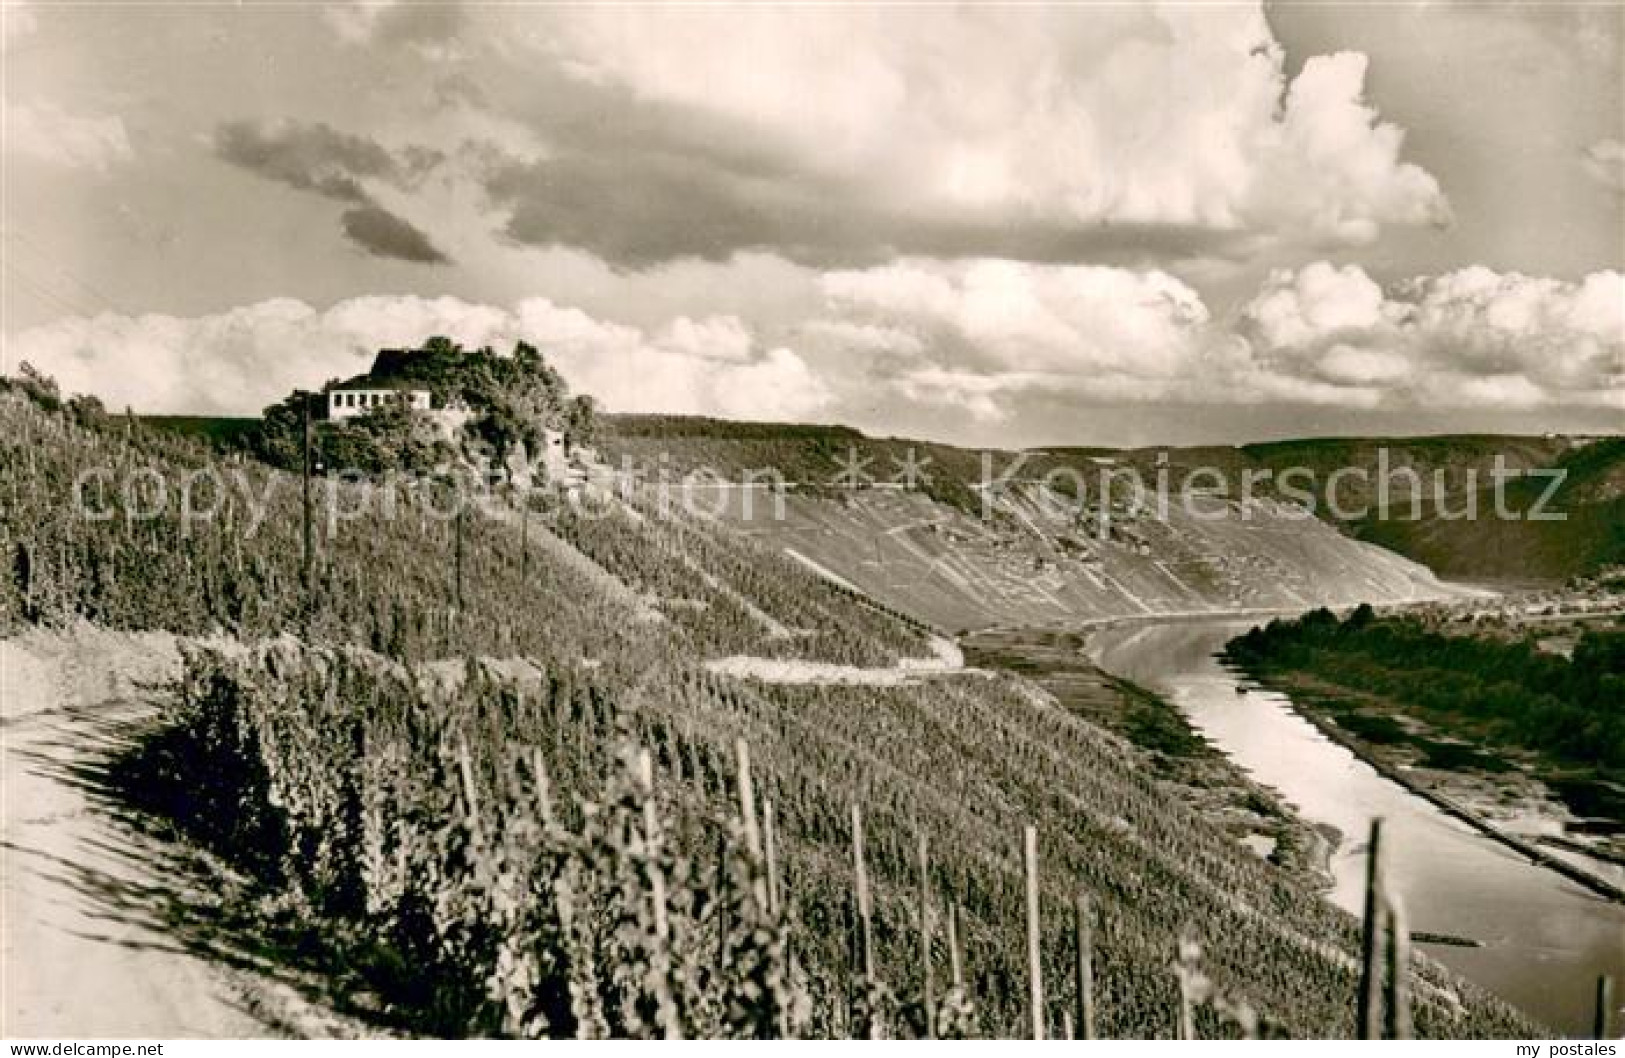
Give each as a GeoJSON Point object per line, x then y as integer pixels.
{"type": "Point", "coordinates": [1472, 336]}
{"type": "Point", "coordinates": [232, 363]}
{"type": "Point", "coordinates": [1028, 317]}
{"type": "Point", "coordinates": [1604, 162]}
{"type": "Point", "coordinates": [1331, 164]}
{"type": "Point", "coordinates": [1315, 304]}
{"type": "Point", "coordinates": [992, 338]}
{"type": "Point", "coordinates": [713, 338]}
{"type": "Point", "coordinates": [322, 160]}
{"type": "Point", "coordinates": [968, 331]}
{"type": "Point", "coordinates": [984, 341]}
{"type": "Point", "coordinates": [48, 133]}
{"type": "Point", "coordinates": [677, 370]}
{"type": "Point", "coordinates": [238, 361]}
{"type": "Point", "coordinates": [839, 134]}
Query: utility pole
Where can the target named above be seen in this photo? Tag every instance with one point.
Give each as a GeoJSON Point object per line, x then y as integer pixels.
{"type": "Point", "coordinates": [1083, 999]}
{"type": "Point", "coordinates": [524, 535]}
{"type": "Point", "coordinates": [459, 558]}
{"type": "Point", "coordinates": [1367, 1018]}
{"type": "Point", "coordinates": [1035, 966]}
{"type": "Point", "coordinates": [310, 554]}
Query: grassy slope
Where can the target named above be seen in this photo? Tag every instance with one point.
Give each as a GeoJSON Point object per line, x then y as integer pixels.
{"type": "Point", "coordinates": [967, 760]}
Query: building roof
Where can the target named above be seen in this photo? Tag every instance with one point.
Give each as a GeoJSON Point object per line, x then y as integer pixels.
{"type": "Point", "coordinates": [367, 382]}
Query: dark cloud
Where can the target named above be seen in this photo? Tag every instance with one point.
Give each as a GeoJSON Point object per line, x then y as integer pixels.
{"type": "Point", "coordinates": [314, 157]}
{"type": "Point", "coordinates": [327, 162]}
{"type": "Point", "coordinates": [641, 211]}
{"type": "Point", "coordinates": [383, 234]}
{"type": "Point", "coordinates": [640, 182]}
{"type": "Point", "coordinates": [640, 208]}
{"type": "Point", "coordinates": [419, 23]}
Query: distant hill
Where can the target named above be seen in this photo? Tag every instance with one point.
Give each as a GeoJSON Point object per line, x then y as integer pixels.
{"type": "Point", "coordinates": [223, 431]}
{"type": "Point", "coordinates": [1417, 463]}
{"type": "Point", "coordinates": [1435, 481]}
{"type": "Point", "coordinates": [1590, 534]}
{"type": "Point", "coordinates": [1485, 549]}
{"type": "Point", "coordinates": [928, 551]}
{"type": "Point", "coordinates": [806, 456]}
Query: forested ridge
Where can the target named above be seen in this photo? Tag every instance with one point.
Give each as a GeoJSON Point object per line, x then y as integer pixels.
{"type": "Point", "coordinates": [1510, 694]}
{"type": "Point", "coordinates": [428, 765]}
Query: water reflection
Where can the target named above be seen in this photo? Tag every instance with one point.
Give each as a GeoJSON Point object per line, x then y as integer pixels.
{"type": "Point", "coordinates": [1545, 938]}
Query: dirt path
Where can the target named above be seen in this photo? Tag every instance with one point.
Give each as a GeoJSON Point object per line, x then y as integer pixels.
{"type": "Point", "coordinates": [89, 945]}
{"type": "Point", "coordinates": [946, 660]}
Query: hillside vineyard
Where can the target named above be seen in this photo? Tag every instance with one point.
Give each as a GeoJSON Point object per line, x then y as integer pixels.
{"type": "Point", "coordinates": [478, 772]}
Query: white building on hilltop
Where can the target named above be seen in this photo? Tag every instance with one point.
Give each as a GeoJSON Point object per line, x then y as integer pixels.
{"type": "Point", "coordinates": [348, 401]}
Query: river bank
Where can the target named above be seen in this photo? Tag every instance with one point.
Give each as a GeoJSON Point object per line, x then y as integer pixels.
{"type": "Point", "coordinates": [1391, 762]}
{"type": "Point", "coordinates": [1540, 940]}
{"type": "Point", "coordinates": [1225, 794]}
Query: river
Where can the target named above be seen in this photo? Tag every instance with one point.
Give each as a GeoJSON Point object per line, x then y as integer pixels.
{"type": "Point", "coordinates": [1545, 939]}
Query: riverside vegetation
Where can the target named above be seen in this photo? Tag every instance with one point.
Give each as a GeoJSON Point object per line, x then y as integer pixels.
{"type": "Point", "coordinates": [1504, 696]}
{"type": "Point", "coordinates": [475, 772]}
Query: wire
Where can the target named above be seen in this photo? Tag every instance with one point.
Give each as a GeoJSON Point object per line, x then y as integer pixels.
{"type": "Point", "coordinates": [34, 248]}
{"type": "Point", "coordinates": [43, 292]}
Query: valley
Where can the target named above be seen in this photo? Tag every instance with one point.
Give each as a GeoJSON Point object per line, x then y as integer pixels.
{"type": "Point", "coordinates": [429, 693]}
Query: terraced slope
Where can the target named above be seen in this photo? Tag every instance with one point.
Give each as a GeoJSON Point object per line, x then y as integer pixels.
{"type": "Point", "coordinates": [937, 562]}
{"type": "Point", "coordinates": [939, 552]}
{"type": "Point", "coordinates": [1432, 472]}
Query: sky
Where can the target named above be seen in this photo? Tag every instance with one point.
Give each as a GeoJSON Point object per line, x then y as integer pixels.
{"type": "Point", "coordinates": [991, 225]}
